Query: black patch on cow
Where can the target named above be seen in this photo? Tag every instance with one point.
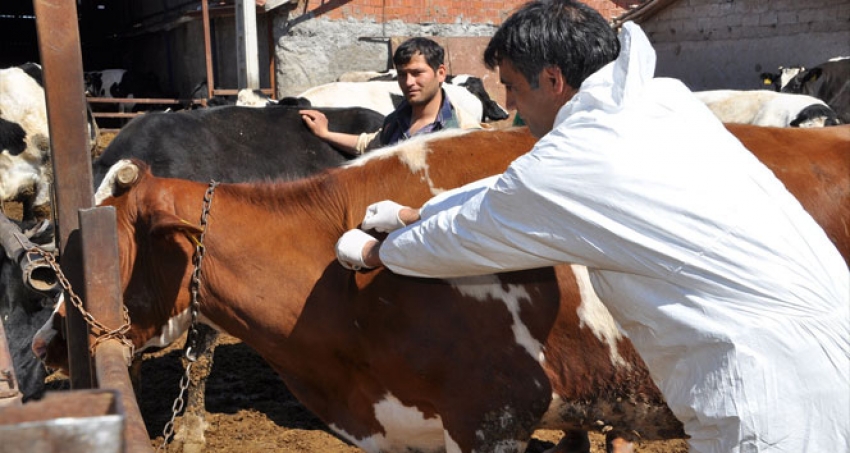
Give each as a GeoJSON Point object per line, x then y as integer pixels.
{"type": "Point", "coordinates": [233, 144]}
{"type": "Point", "coordinates": [396, 99]}
{"type": "Point", "coordinates": [294, 101]}
{"type": "Point", "coordinates": [34, 71]}
{"type": "Point", "coordinates": [815, 111]}
{"type": "Point", "coordinates": [491, 111]}
{"type": "Point", "coordinates": [12, 137]}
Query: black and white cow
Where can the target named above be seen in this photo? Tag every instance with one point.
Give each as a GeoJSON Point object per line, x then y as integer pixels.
{"type": "Point", "coordinates": [777, 80]}
{"type": "Point", "coordinates": [829, 82]}
{"type": "Point", "coordinates": [465, 92]}
{"type": "Point", "coordinates": [24, 311]}
{"type": "Point", "coordinates": [231, 143]}
{"type": "Point", "coordinates": [121, 83]}
{"type": "Point", "coordinates": [768, 108]}
{"type": "Point", "coordinates": [25, 170]}
{"type": "Point", "coordinates": [25, 173]}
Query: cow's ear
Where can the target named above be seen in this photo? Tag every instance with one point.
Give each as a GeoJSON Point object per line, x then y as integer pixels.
{"type": "Point", "coordinates": [164, 222]}
{"type": "Point", "coordinates": [812, 75]}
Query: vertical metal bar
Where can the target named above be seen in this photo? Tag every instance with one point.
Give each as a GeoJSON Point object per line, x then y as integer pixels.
{"type": "Point", "coordinates": [205, 9]}
{"type": "Point", "coordinates": [103, 290]}
{"type": "Point", "coordinates": [247, 63]}
{"type": "Point", "coordinates": [271, 46]}
{"type": "Point", "coordinates": [10, 393]}
{"type": "Point", "coordinates": [61, 58]}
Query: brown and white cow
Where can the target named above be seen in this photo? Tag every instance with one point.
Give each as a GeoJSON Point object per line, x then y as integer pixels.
{"type": "Point", "coordinates": [393, 363]}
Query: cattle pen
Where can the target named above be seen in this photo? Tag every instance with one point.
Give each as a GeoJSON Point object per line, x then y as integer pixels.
{"type": "Point", "coordinates": [100, 413]}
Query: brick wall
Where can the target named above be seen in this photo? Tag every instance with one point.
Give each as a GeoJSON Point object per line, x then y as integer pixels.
{"type": "Point", "coordinates": [438, 11]}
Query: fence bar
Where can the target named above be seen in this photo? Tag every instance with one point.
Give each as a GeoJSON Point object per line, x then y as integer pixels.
{"type": "Point", "coordinates": [103, 293]}
{"type": "Point", "coordinates": [61, 58]}
{"type": "Point", "coordinates": [10, 394]}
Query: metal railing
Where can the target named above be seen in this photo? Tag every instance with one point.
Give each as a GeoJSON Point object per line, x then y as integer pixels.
{"type": "Point", "coordinates": [90, 231]}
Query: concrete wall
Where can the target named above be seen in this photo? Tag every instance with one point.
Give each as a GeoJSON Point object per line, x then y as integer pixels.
{"type": "Point", "coordinates": [712, 44]}
{"type": "Point", "coordinates": [318, 41]}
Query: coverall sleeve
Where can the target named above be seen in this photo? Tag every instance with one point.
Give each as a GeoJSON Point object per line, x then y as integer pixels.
{"type": "Point", "coordinates": [496, 225]}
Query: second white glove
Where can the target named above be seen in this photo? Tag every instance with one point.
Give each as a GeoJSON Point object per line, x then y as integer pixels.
{"type": "Point", "coordinates": [349, 249]}
{"type": "Point", "coordinates": [383, 217]}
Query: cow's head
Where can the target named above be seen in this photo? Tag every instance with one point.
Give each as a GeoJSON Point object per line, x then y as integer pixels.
{"type": "Point", "coordinates": [25, 171]}
{"type": "Point", "coordinates": [799, 82]}
{"type": "Point", "coordinates": [154, 286]}
{"type": "Point", "coordinates": [778, 80]}
{"type": "Point", "coordinates": [94, 83]}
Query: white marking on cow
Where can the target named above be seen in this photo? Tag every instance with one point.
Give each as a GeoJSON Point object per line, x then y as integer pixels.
{"type": "Point", "coordinates": [174, 328]}
{"type": "Point", "coordinates": [413, 153]}
{"type": "Point", "coordinates": [25, 176]}
{"type": "Point", "coordinates": [105, 190]}
{"type": "Point", "coordinates": [486, 287]}
{"type": "Point", "coordinates": [460, 79]}
{"type": "Point", "coordinates": [406, 429]}
{"type": "Point", "coordinates": [593, 314]}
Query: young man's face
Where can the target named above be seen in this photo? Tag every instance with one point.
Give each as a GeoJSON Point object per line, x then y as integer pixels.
{"type": "Point", "coordinates": [539, 106]}
{"type": "Point", "coordinates": [418, 82]}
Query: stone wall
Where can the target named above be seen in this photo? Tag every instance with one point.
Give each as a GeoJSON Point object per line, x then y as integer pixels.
{"type": "Point", "coordinates": [712, 44]}
{"type": "Point", "coordinates": [318, 41]}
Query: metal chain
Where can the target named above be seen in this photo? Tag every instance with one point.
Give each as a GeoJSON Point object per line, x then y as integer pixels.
{"type": "Point", "coordinates": [100, 331]}
{"type": "Point", "coordinates": [190, 351]}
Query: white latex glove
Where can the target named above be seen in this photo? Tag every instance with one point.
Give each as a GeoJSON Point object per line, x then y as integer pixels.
{"type": "Point", "coordinates": [383, 217]}
{"type": "Point", "coordinates": [349, 249]}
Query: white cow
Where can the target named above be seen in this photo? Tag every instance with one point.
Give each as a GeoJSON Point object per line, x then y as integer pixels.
{"type": "Point", "coordinates": [25, 173]}
{"type": "Point", "coordinates": [382, 97]}
{"type": "Point", "coordinates": [25, 169]}
{"type": "Point", "coordinates": [768, 108]}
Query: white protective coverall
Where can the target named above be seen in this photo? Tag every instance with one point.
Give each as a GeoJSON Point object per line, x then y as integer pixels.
{"type": "Point", "coordinates": [732, 294]}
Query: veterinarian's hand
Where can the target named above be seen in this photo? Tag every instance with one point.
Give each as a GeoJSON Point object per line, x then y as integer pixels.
{"type": "Point", "coordinates": [350, 249]}
{"type": "Point", "coordinates": [383, 217]}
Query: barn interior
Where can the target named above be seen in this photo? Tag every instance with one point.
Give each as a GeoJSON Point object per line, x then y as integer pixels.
{"type": "Point", "coordinates": [165, 38]}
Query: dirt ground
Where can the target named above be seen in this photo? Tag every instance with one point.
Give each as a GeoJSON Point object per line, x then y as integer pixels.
{"type": "Point", "coordinates": [250, 410]}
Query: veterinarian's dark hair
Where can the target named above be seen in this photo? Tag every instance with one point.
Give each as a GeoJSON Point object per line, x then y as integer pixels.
{"type": "Point", "coordinates": [563, 33]}
{"type": "Point", "coordinates": [433, 52]}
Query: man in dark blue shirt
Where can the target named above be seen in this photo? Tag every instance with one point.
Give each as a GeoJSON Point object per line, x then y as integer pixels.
{"type": "Point", "coordinates": [425, 108]}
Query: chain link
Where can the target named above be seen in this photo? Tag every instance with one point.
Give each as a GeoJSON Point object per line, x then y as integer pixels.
{"type": "Point", "coordinates": [190, 351]}
{"type": "Point", "coordinates": [100, 331]}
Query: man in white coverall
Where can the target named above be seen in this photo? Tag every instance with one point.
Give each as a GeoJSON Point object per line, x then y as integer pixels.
{"type": "Point", "coordinates": [732, 294]}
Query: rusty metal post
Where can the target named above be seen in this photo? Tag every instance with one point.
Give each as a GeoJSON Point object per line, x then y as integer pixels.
{"type": "Point", "coordinates": [205, 9]}
{"type": "Point", "coordinates": [103, 293]}
{"type": "Point", "coordinates": [61, 58]}
{"type": "Point", "coordinates": [10, 393]}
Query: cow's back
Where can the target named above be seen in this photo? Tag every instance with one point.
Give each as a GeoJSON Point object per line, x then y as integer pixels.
{"type": "Point", "coordinates": [814, 164]}
{"type": "Point", "coordinates": [232, 144]}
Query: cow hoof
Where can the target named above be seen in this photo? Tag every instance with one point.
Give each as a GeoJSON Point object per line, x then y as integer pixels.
{"type": "Point", "coordinates": [620, 441]}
